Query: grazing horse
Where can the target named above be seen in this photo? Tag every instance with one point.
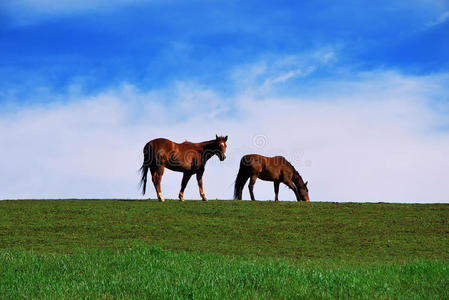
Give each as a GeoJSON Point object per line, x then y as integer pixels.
{"type": "Point", "coordinates": [276, 169]}
{"type": "Point", "coordinates": [189, 158]}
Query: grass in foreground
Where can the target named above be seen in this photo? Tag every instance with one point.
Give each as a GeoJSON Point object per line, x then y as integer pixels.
{"type": "Point", "coordinates": [314, 232]}
{"type": "Point", "coordinates": [87, 249]}
{"type": "Point", "coordinates": [155, 273]}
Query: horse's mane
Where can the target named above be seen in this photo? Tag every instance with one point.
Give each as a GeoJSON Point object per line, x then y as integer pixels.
{"type": "Point", "coordinates": [205, 143]}
{"type": "Point", "coordinates": [301, 181]}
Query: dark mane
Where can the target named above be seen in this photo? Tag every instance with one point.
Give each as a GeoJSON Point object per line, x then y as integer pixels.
{"type": "Point", "coordinates": [207, 143]}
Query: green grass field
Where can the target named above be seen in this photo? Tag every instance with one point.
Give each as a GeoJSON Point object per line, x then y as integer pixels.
{"type": "Point", "coordinates": [222, 249]}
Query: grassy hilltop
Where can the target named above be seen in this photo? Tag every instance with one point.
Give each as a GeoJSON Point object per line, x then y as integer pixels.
{"type": "Point", "coordinates": [87, 248]}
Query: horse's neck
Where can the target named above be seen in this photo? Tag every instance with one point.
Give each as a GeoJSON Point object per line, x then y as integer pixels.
{"type": "Point", "coordinates": [206, 147]}
{"type": "Point", "coordinates": [300, 181]}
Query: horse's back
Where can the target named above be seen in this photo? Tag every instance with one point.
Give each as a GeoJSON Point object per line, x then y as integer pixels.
{"type": "Point", "coordinates": [267, 168]}
{"type": "Point", "coordinates": [277, 161]}
{"type": "Point", "coordinates": [249, 159]}
{"type": "Point", "coordinates": [264, 160]}
{"type": "Point", "coordinates": [162, 144]}
{"type": "Point", "coordinates": [253, 163]}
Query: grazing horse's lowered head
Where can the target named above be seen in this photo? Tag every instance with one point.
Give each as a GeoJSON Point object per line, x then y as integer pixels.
{"type": "Point", "coordinates": [302, 192]}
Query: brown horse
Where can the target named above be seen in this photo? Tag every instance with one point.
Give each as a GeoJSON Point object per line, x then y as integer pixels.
{"type": "Point", "coordinates": [276, 169]}
{"type": "Point", "coordinates": [189, 158]}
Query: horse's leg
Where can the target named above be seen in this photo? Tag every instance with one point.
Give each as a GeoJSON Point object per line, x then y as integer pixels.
{"type": "Point", "coordinates": [252, 182]}
{"type": "Point", "coordinates": [157, 173]}
{"type": "Point", "coordinates": [199, 177]}
{"type": "Point", "coordinates": [276, 190]}
{"type": "Point", "coordinates": [185, 180]}
{"type": "Point", "coordinates": [293, 188]}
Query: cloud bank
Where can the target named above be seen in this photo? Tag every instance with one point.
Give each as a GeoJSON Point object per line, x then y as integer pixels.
{"type": "Point", "coordinates": [379, 136]}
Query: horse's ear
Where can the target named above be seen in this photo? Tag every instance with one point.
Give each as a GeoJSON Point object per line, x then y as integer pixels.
{"type": "Point", "coordinates": [306, 183]}
{"type": "Point", "coordinates": [216, 136]}
{"type": "Point", "coordinates": [226, 138]}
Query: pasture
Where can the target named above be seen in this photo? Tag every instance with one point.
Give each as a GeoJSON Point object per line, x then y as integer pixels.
{"type": "Point", "coordinates": [222, 249]}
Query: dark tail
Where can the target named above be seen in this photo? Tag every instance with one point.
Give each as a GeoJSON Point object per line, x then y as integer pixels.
{"type": "Point", "coordinates": [144, 168]}
{"type": "Point", "coordinates": [240, 182]}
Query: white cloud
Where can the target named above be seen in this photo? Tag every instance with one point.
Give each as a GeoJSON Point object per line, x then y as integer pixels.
{"type": "Point", "coordinates": [442, 18]}
{"type": "Point", "coordinates": [382, 136]}
{"type": "Point", "coordinates": [270, 70]}
{"type": "Point", "coordinates": [288, 75]}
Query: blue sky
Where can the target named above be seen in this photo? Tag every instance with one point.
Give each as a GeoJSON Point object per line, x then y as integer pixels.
{"type": "Point", "coordinates": [153, 43]}
{"type": "Point", "coordinates": [358, 86]}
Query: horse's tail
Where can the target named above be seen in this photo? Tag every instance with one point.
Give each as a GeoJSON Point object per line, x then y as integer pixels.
{"type": "Point", "coordinates": [240, 181]}
{"type": "Point", "coordinates": [144, 168]}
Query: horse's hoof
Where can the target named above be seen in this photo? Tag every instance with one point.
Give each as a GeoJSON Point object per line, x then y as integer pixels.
{"type": "Point", "coordinates": [204, 199]}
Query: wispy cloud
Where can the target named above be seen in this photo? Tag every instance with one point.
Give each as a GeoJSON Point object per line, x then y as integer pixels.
{"type": "Point", "coordinates": [439, 20]}
{"type": "Point", "coordinates": [271, 70]}
{"type": "Point", "coordinates": [377, 137]}
{"type": "Point", "coordinates": [288, 75]}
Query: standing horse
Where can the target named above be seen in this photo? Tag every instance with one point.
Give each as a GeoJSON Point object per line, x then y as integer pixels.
{"type": "Point", "coordinates": [276, 169]}
{"type": "Point", "coordinates": [189, 158]}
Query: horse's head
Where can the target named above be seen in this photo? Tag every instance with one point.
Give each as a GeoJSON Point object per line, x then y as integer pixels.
{"type": "Point", "coordinates": [220, 150]}
{"type": "Point", "coordinates": [302, 192]}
